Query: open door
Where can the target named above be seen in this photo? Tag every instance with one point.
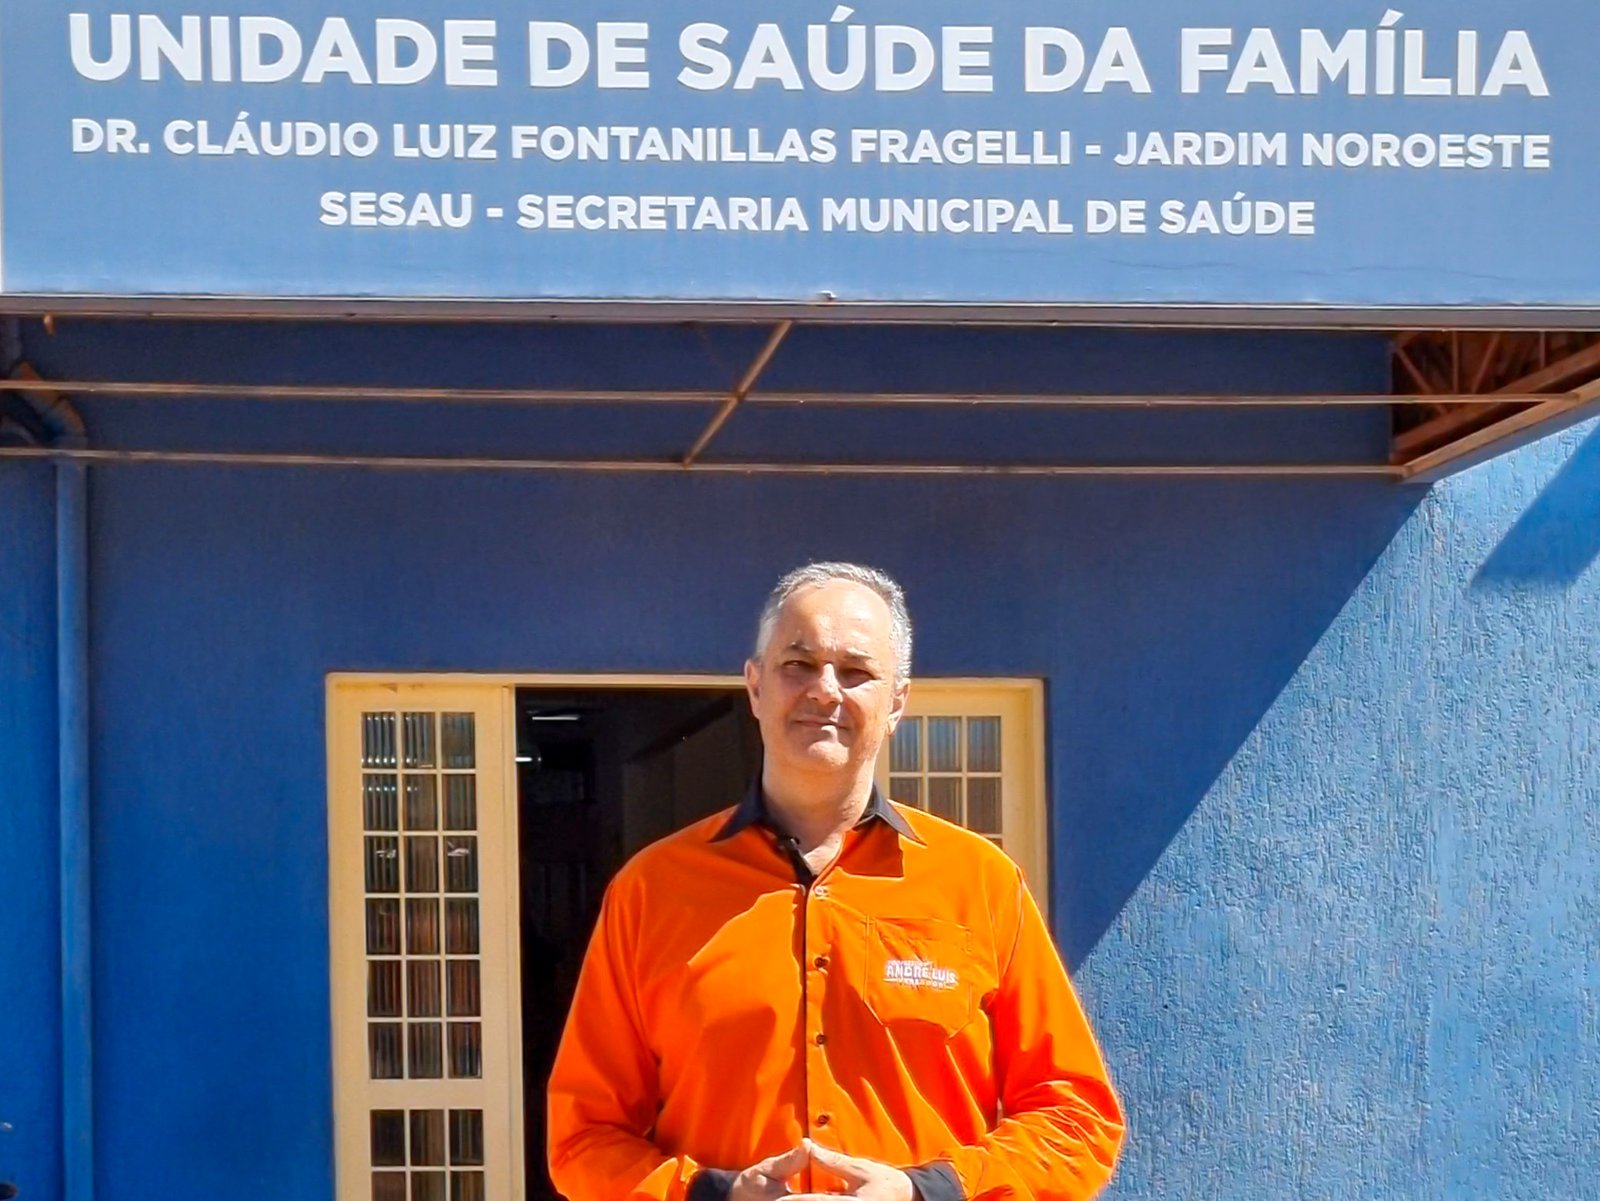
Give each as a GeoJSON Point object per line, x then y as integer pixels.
{"type": "Point", "coordinates": [473, 825]}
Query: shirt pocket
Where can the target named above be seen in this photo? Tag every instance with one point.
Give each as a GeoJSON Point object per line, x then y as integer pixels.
{"type": "Point", "coordinates": [919, 971]}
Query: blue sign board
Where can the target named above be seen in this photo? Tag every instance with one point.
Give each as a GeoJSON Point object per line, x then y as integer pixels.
{"type": "Point", "coordinates": [901, 152]}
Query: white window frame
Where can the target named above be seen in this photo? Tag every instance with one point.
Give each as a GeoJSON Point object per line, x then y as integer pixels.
{"type": "Point", "coordinates": [1024, 807]}
{"type": "Point", "coordinates": [498, 1091]}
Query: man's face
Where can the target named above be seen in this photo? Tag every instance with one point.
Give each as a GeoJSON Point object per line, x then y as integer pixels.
{"type": "Point", "coordinates": [823, 691]}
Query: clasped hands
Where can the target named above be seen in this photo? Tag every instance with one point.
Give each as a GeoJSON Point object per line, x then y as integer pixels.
{"type": "Point", "coordinates": [864, 1178]}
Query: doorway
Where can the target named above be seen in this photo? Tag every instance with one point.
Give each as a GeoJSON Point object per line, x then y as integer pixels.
{"type": "Point", "coordinates": [600, 774]}
{"type": "Point", "coordinates": [473, 824]}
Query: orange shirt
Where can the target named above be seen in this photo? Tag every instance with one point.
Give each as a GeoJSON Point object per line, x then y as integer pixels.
{"type": "Point", "coordinates": [907, 1005]}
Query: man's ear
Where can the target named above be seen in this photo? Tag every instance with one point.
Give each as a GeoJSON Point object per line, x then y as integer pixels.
{"type": "Point", "coordinates": [752, 686]}
{"type": "Point", "coordinates": [902, 693]}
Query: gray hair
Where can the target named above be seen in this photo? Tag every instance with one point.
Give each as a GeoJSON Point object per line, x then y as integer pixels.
{"type": "Point", "coordinates": [871, 578]}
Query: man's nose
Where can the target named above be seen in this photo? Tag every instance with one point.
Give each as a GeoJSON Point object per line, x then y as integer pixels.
{"type": "Point", "coordinates": [825, 684]}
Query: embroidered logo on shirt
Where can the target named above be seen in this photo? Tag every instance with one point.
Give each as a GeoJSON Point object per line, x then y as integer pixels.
{"type": "Point", "coordinates": [919, 973]}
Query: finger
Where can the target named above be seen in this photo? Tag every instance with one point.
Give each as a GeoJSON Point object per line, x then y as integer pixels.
{"type": "Point", "coordinates": [781, 1167]}
{"type": "Point", "coordinates": [856, 1171]}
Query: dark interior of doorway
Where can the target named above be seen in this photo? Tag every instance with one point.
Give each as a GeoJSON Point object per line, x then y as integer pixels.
{"type": "Point", "coordinates": [602, 773]}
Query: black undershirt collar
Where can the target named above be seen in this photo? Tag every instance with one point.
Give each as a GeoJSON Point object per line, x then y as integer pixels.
{"type": "Point", "coordinates": [752, 811]}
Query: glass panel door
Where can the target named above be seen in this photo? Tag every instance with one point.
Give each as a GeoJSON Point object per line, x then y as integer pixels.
{"type": "Point", "coordinates": [422, 884]}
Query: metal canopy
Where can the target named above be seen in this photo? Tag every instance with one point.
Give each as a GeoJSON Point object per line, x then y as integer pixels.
{"type": "Point", "coordinates": [1460, 397]}
{"type": "Point", "coordinates": [1483, 393]}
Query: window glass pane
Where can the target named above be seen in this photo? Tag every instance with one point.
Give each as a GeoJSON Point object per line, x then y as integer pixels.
{"type": "Point", "coordinates": [983, 744]}
{"type": "Point", "coordinates": [422, 864]}
{"type": "Point", "coordinates": [383, 1046]}
{"type": "Point", "coordinates": [466, 1050]}
{"type": "Point", "coordinates": [461, 864]}
{"type": "Point", "coordinates": [422, 803]}
{"type": "Point", "coordinates": [422, 988]}
{"type": "Point", "coordinates": [426, 1046]}
{"type": "Point", "coordinates": [383, 926]}
{"type": "Point", "coordinates": [906, 789]}
{"type": "Point", "coordinates": [466, 1137]}
{"type": "Point", "coordinates": [457, 736]}
{"type": "Point", "coordinates": [378, 802]}
{"type": "Point", "coordinates": [377, 740]}
{"type": "Point", "coordinates": [460, 802]}
{"type": "Point", "coordinates": [461, 931]}
{"type": "Point", "coordinates": [944, 744]}
{"type": "Point", "coordinates": [466, 1186]}
{"type": "Point", "coordinates": [388, 1186]}
{"type": "Point", "coordinates": [388, 1138]}
{"type": "Point", "coordinates": [905, 752]}
{"type": "Point", "coordinates": [383, 864]}
{"type": "Point", "coordinates": [427, 1186]}
{"type": "Point", "coordinates": [427, 1138]}
{"type": "Point", "coordinates": [383, 988]}
{"type": "Point", "coordinates": [464, 1001]}
{"type": "Point", "coordinates": [983, 804]}
{"type": "Point", "coordinates": [419, 739]}
{"type": "Point", "coordinates": [944, 797]}
{"type": "Point", "coordinates": [422, 925]}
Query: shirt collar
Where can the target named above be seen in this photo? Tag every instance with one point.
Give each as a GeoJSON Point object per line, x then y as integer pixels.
{"type": "Point", "coordinates": [752, 811]}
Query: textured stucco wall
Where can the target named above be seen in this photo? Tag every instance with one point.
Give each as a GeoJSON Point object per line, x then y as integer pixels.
{"type": "Point", "coordinates": [1369, 964]}
{"type": "Point", "coordinates": [1322, 754]}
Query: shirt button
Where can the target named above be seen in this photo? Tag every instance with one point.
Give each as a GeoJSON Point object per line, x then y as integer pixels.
{"type": "Point", "coordinates": [821, 891]}
{"type": "Point", "coordinates": [820, 963]}
{"type": "Point", "coordinates": [822, 1040]}
{"type": "Point", "coordinates": [822, 1119]}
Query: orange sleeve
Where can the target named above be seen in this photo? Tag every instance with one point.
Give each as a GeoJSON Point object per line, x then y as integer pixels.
{"type": "Point", "coordinates": [1062, 1125]}
{"type": "Point", "coordinates": [604, 1087]}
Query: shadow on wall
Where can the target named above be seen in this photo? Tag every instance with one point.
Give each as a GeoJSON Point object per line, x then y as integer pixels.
{"type": "Point", "coordinates": [1556, 540]}
{"type": "Point", "coordinates": [1176, 662]}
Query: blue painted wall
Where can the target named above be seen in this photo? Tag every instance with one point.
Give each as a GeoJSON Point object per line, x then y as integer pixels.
{"type": "Point", "coordinates": [1369, 963]}
{"type": "Point", "coordinates": [1323, 754]}
{"type": "Point", "coordinates": [30, 1028]}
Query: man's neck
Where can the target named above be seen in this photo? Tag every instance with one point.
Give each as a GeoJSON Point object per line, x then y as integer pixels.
{"type": "Point", "coordinates": [816, 811]}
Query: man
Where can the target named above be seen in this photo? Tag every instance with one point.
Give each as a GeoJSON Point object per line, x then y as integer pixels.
{"type": "Point", "coordinates": [819, 991]}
